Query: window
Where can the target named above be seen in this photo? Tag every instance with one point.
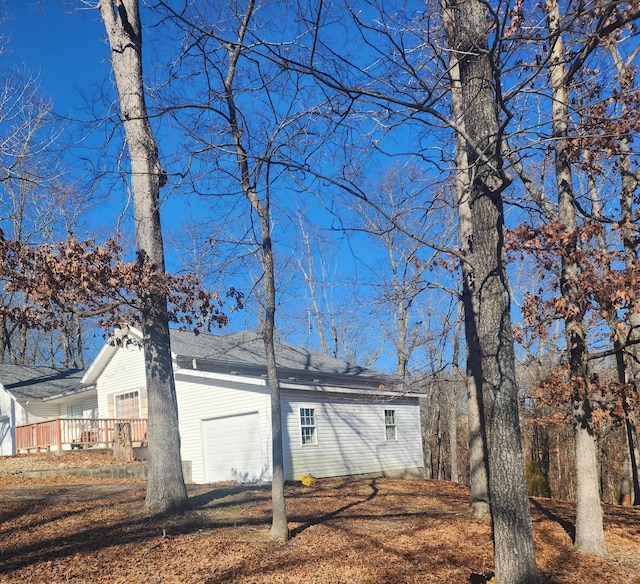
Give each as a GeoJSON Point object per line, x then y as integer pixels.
{"type": "Point", "coordinates": [75, 411]}
{"type": "Point", "coordinates": [390, 424]}
{"type": "Point", "coordinates": [308, 426]}
{"type": "Point", "coordinates": [127, 405]}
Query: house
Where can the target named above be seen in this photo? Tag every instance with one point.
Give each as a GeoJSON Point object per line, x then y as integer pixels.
{"type": "Point", "coordinates": [337, 419]}
{"type": "Point", "coordinates": [30, 394]}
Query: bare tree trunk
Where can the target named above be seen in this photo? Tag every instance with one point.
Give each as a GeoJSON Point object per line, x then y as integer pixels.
{"type": "Point", "coordinates": [452, 431]}
{"type": "Point", "coordinates": [121, 444]}
{"type": "Point", "coordinates": [279, 524]}
{"type": "Point", "coordinates": [309, 279]}
{"type": "Point", "coordinates": [439, 440]}
{"type": "Point", "coordinates": [479, 503]}
{"type": "Point", "coordinates": [633, 452]}
{"type": "Point", "coordinates": [425, 423]}
{"type": "Point", "coordinates": [589, 527]}
{"type": "Point", "coordinates": [627, 365]}
{"type": "Point", "coordinates": [489, 332]}
{"type": "Point", "coordinates": [78, 349]}
{"type": "Point", "coordinates": [23, 339]}
{"type": "Point", "coordinates": [166, 490]}
{"type": "Point", "coordinates": [71, 338]}
{"type": "Point", "coordinates": [629, 179]}
{"type": "Point", "coordinates": [452, 395]}
{"type": "Point", "coordinates": [4, 339]}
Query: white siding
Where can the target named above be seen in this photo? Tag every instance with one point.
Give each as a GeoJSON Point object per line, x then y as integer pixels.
{"type": "Point", "coordinates": [350, 429]}
{"type": "Point", "coordinates": [201, 399]}
{"type": "Point", "coordinates": [90, 408]}
{"type": "Point", "coordinates": [125, 372]}
{"type": "Point", "coordinates": [350, 436]}
{"type": "Point", "coordinates": [8, 413]}
{"type": "Point", "coordinates": [82, 406]}
{"type": "Point", "coordinates": [40, 411]}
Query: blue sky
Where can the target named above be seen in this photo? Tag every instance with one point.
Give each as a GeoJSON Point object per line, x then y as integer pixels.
{"type": "Point", "coordinates": [63, 46]}
{"type": "Point", "coordinates": [66, 49]}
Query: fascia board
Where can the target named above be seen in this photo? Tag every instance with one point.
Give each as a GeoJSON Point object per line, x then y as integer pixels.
{"type": "Point", "coordinates": [222, 377]}
{"type": "Point", "coordinates": [284, 373]}
{"type": "Point", "coordinates": [99, 363]}
{"type": "Point", "coordinates": [69, 394]}
{"type": "Point", "coordinates": [349, 390]}
{"type": "Point", "coordinates": [105, 355]}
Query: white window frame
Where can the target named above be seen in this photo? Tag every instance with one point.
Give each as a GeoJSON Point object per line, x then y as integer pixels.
{"type": "Point", "coordinates": [116, 396]}
{"type": "Point", "coordinates": [308, 427]}
{"type": "Point", "coordinates": [390, 426]}
{"type": "Point", "coordinates": [75, 411]}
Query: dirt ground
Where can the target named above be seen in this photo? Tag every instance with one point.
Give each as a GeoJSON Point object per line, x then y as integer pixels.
{"type": "Point", "coordinates": [352, 531]}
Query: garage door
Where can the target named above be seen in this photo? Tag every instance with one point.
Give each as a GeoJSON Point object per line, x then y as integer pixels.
{"type": "Point", "coordinates": [233, 449]}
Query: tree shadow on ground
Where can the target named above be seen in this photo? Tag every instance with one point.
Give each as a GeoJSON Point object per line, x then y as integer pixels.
{"type": "Point", "coordinates": [333, 514]}
{"type": "Point", "coordinates": [138, 526]}
{"type": "Point", "coordinates": [622, 516]}
{"type": "Point", "coordinates": [217, 493]}
{"type": "Point", "coordinates": [567, 525]}
{"type": "Point", "coordinates": [93, 536]}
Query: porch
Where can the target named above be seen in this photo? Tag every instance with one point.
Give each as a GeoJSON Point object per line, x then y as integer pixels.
{"type": "Point", "coordinates": [70, 433]}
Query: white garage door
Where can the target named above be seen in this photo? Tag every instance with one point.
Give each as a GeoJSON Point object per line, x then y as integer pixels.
{"type": "Point", "coordinates": [233, 450]}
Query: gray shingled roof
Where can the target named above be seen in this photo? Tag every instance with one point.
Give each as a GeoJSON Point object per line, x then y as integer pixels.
{"type": "Point", "coordinates": [244, 351]}
{"type": "Point", "coordinates": [37, 382]}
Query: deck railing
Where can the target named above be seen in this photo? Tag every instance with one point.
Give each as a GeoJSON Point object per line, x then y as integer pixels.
{"type": "Point", "coordinates": [70, 433]}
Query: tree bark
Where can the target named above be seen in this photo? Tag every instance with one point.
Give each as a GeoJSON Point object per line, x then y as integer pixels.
{"type": "Point", "coordinates": [589, 527]}
{"type": "Point", "coordinates": [121, 444]}
{"type": "Point", "coordinates": [629, 180]}
{"type": "Point", "coordinates": [279, 525]}
{"type": "Point", "coordinates": [479, 503]}
{"type": "Point", "coordinates": [489, 332]}
{"type": "Point", "coordinates": [166, 490]}
{"type": "Point", "coordinates": [452, 401]}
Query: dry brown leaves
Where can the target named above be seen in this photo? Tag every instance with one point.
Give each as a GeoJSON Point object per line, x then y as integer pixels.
{"type": "Point", "coordinates": [89, 458]}
{"type": "Point", "coordinates": [344, 530]}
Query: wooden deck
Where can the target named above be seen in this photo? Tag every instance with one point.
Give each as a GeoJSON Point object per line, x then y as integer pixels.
{"type": "Point", "coordinates": [70, 433]}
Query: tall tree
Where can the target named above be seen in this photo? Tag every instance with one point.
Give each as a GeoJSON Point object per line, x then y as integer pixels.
{"type": "Point", "coordinates": [630, 180]}
{"type": "Point", "coordinates": [166, 490]}
{"type": "Point", "coordinates": [589, 528]}
{"type": "Point", "coordinates": [245, 121]}
{"type": "Point", "coordinates": [279, 523]}
{"type": "Point", "coordinates": [404, 273]}
{"type": "Point", "coordinates": [479, 504]}
{"type": "Point", "coordinates": [489, 333]}
{"type": "Point", "coordinates": [599, 25]}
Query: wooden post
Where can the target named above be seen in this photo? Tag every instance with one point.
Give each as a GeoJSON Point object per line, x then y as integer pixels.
{"type": "Point", "coordinates": [59, 434]}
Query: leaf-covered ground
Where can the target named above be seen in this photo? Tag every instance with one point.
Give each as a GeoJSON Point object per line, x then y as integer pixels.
{"type": "Point", "coordinates": [359, 530]}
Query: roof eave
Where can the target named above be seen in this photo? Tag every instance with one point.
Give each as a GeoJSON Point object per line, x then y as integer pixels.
{"type": "Point", "coordinates": [328, 378]}
{"type": "Point", "coordinates": [107, 352]}
{"type": "Point", "coordinates": [57, 396]}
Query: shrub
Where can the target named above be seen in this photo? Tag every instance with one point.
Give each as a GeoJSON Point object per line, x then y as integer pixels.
{"type": "Point", "coordinates": [537, 482]}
